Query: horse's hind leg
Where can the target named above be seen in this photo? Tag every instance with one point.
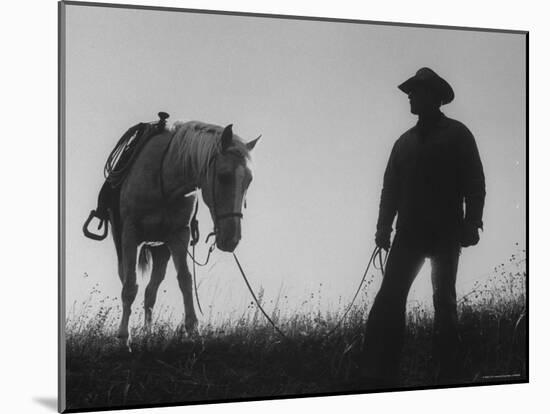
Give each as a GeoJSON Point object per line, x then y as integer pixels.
{"type": "Point", "coordinates": [178, 248]}
{"type": "Point", "coordinates": [160, 256]}
{"type": "Point", "coordinates": [129, 286]}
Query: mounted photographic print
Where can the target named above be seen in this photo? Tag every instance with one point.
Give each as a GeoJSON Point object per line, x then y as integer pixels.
{"type": "Point", "coordinates": [260, 206]}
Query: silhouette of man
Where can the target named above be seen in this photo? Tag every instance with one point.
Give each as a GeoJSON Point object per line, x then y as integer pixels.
{"type": "Point", "coordinates": [433, 172]}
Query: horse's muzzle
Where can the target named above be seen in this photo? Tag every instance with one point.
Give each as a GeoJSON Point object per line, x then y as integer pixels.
{"type": "Point", "coordinates": [229, 234]}
{"type": "Point", "coordinates": [228, 246]}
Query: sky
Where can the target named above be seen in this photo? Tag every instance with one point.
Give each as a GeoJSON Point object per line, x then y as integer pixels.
{"type": "Point", "coordinates": [324, 97]}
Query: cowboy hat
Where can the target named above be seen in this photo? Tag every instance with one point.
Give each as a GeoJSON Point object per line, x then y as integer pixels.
{"type": "Point", "coordinates": [428, 77]}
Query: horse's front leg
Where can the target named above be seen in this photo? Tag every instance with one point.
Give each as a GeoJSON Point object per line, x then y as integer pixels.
{"type": "Point", "coordinates": [129, 286]}
{"type": "Point", "coordinates": [178, 248]}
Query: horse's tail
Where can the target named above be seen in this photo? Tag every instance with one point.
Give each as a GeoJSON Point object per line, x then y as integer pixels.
{"type": "Point", "coordinates": [145, 259]}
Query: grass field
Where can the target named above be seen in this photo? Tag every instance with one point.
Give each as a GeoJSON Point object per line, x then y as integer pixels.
{"type": "Point", "coordinates": [244, 358]}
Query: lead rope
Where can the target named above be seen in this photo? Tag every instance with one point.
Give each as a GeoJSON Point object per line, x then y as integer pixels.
{"type": "Point", "coordinates": [195, 282]}
{"type": "Point", "coordinates": [381, 260]}
{"type": "Point", "coordinates": [258, 304]}
{"type": "Point", "coordinates": [195, 235]}
{"type": "Point", "coordinates": [194, 240]}
{"type": "Point", "coordinates": [194, 225]}
{"type": "Point", "coordinates": [377, 252]}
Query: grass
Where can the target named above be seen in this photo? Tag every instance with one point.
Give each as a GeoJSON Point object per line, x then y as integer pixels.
{"type": "Point", "coordinates": [243, 357]}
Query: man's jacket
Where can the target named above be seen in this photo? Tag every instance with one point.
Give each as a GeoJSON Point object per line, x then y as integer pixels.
{"type": "Point", "coordinates": [434, 171]}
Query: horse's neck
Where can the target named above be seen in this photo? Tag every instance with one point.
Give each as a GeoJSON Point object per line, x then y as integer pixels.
{"type": "Point", "coordinates": [188, 168]}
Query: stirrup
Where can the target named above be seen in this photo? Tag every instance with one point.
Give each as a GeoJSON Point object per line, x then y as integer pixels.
{"type": "Point", "coordinates": [102, 222]}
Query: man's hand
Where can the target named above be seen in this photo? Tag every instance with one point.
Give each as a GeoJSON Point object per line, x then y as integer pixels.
{"type": "Point", "coordinates": [382, 239]}
{"type": "Point", "coordinates": [469, 235]}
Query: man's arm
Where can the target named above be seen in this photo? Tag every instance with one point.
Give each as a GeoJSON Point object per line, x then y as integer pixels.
{"type": "Point", "coordinates": [473, 181]}
{"type": "Point", "coordinates": [388, 201]}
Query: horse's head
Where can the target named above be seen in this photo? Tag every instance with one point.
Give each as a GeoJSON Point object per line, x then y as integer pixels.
{"type": "Point", "coordinates": [224, 191]}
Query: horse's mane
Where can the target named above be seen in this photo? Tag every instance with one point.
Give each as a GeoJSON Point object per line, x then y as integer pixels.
{"type": "Point", "coordinates": [197, 142]}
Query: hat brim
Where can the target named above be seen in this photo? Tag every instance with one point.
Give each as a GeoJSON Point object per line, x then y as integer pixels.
{"type": "Point", "coordinates": [438, 84]}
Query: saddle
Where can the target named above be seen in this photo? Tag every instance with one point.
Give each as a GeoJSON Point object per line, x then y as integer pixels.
{"type": "Point", "coordinates": [116, 169]}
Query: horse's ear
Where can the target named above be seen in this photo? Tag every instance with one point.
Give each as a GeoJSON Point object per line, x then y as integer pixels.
{"type": "Point", "coordinates": [250, 145]}
{"type": "Point", "coordinates": [227, 137]}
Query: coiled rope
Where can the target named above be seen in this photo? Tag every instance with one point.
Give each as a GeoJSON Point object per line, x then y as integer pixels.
{"type": "Point", "coordinates": [125, 150]}
{"type": "Point", "coordinates": [128, 148]}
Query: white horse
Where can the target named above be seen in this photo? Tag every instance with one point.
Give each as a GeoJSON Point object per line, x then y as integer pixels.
{"type": "Point", "coordinates": [157, 200]}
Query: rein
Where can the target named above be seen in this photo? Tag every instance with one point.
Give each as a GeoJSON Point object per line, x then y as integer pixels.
{"type": "Point", "coordinates": [195, 234]}
{"type": "Point", "coordinates": [194, 224]}
{"type": "Point", "coordinates": [376, 253]}
{"type": "Point", "coordinates": [194, 231]}
{"type": "Point", "coordinates": [258, 304]}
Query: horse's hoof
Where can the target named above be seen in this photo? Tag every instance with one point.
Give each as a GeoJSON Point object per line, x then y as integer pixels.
{"type": "Point", "coordinates": [192, 332]}
{"type": "Point", "coordinates": [125, 344]}
{"type": "Point", "coordinates": [180, 331]}
{"type": "Point", "coordinates": [185, 330]}
{"type": "Point", "coordinates": [191, 327]}
{"type": "Point", "coordinates": [124, 341]}
{"type": "Point", "coordinates": [147, 328]}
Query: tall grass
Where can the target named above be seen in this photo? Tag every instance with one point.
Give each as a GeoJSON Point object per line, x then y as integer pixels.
{"type": "Point", "coordinates": [241, 356]}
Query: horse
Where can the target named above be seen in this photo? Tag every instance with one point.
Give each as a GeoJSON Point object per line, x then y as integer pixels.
{"type": "Point", "coordinates": [157, 200]}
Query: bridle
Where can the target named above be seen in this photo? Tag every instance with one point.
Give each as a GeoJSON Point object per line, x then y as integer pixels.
{"type": "Point", "coordinates": [218, 217]}
{"type": "Point", "coordinates": [194, 229]}
{"type": "Point", "coordinates": [377, 253]}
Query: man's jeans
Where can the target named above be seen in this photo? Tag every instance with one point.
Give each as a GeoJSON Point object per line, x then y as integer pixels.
{"type": "Point", "coordinates": [385, 329]}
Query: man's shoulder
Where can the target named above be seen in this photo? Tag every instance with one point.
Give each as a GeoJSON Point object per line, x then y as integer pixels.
{"type": "Point", "coordinates": [456, 126]}
{"type": "Point", "coordinates": [405, 142]}
{"type": "Point", "coordinates": [407, 135]}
